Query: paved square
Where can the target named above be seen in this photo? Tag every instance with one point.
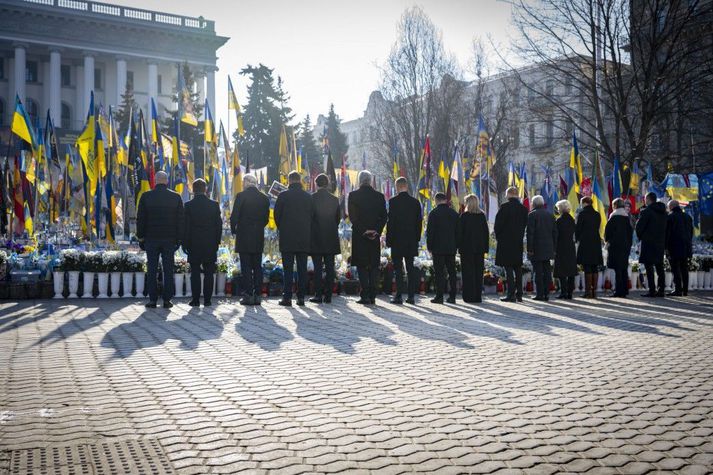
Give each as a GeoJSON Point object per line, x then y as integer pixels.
{"type": "Point", "coordinates": [105, 386]}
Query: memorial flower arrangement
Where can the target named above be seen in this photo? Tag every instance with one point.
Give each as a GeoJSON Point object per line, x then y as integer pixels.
{"type": "Point", "coordinates": [180, 265]}
{"type": "Point", "coordinates": [71, 260]}
{"type": "Point", "coordinates": [224, 264]}
{"type": "Point", "coordinates": [694, 264]}
{"type": "Point", "coordinates": [113, 261]}
{"type": "Point", "coordinates": [136, 262]}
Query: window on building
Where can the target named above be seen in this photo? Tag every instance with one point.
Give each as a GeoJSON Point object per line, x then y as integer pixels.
{"type": "Point", "coordinates": [31, 108]}
{"type": "Point", "coordinates": [66, 122]}
{"type": "Point", "coordinates": [568, 129]}
{"type": "Point", "coordinates": [31, 71]}
{"type": "Point", "coordinates": [2, 113]}
{"type": "Point", "coordinates": [531, 133]}
{"type": "Point", "coordinates": [158, 84]}
{"type": "Point", "coordinates": [97, 79]}
{"type": "Point", "coordinates": [550, 88]}
{"type": "Point", "coordinates": [568, 86]}
{"type": "Point", "coordinates": [65, 72]}
{"type": "Point", "coordinates": [550, 130]}
{"type": "Point", "coordinates": [515, 137]}
{"type": "Point", "coordinates": [130, 80]}
{"type": "Point", "coordinates": [2, 68]}
{"type": "Point", "coordinates": [516, 98]}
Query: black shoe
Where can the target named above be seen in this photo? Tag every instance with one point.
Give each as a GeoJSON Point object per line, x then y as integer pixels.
{"type": "Point", "coordinates": [650, 294]}
{"type": "Point", "coordinates": [508, 299]}
{"type": "Point", "coordinates": [300, 302]}
{"type": "Point", "coordinates": [257, 300]}
{"type": "Point", "coordinates": [561, 296]}
{"type": "Point", "coordinates": [540, 298]}
{"type": "Point", "coordinates": [675, 294]}
{"type": "Point", "coordinates": [660, 293]}
{"type": "Point", "coordinates": [285, 302]}
{"type": "Point", "coordinates": [518, 298]}
{"type": "Point", "coordinates": [451, 300]}
{"type": "Point", "coordinates": [207, 303]}
{"type": "Point", "coordinates": [316, 299]}
{"type": "Point", "coordinates": [364, 301]}
{"type": "Point", "coordinates": [568, 296]}
{"type": "Point", "coordinates": [397, 301]}
{"type": "Point", "coordinates": [167, 304]}
{"type": "Point", "coordinates": [150, 305]}
{"type": "Point", "coordinates": [685, 293]}
{"type": "Point", "coordinates": [327, 299]}
{"type": "Point", "coordinates": [194, 303]}
{"type": "Point", "coordinates": [437, 300]}
{"type": "Point", "coordinates": [247, 300]}
{"type": "Point", "coordinates": [411, 301]}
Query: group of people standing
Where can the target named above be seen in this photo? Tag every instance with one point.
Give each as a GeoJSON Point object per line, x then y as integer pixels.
{"type": "Point", "coordinates": [308, 225]}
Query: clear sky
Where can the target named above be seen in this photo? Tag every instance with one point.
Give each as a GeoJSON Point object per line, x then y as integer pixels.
{"type": "Point", "coordinates": [327, 51]}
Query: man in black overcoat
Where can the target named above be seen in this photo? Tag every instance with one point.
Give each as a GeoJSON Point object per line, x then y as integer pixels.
{"type": "Point", "coordinates": [325, 238]}
{"type": "Point", "coordinates": [203, 230]}
{"type": "Point", "coordinates": [510, 224]}
{"type": "Point", "coordinates": [159, 228]}
{"type": "Point", "coordinates": [251, 213]}
{"type": "Point", "coordinates": [293, 217]}
{"type": "Point", "coordinates": [589, 251]}
{"type": "Point", "coordinates": [442, 242]}
{"type": "Point", "coordinates": [367, 212]}
{"type": "Point", "coordinates": [679, 246]}
{"type": "Point", "coordinates": [541, 245]}
{"type": "Point", "coordinates": [403, 233]}
{"type": "Point", "coordinates": [651, 231]}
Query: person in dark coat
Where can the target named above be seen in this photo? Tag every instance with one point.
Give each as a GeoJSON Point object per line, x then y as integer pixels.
{"type": "Point", "coordinates": [651, 231]}
{"type": "Point", "coordinates": [204, 228]}
{"type": "Point", "coordinates": [325, 238]}
{"type": "Point", "coordinates": [159, 228]}
{"type": "Point", "coordinates": [403, 232]}
{"type": "Point", "coordinates": [367, 212]}
{"type": "Point", "coordinates": [589, 252]}
{"type": "Point", "coordinates": [442, 243]}
{"type": "Point", "coordinates": [251, 213]}
{"type": "Point", "coordinates": [293, 217]}
{"type": "Point", "coordinates": [679, 246]}
{"type": "Point", "coordinates": [541, 245]}
{"type": "Point", "coordinates": [565, 253]}
{"type": "Point", "coordinates": [510, 224]}
{"type": "Point", "coordinates": [473, 245]}
{"type": "Point", "coordinates": [618, 235]}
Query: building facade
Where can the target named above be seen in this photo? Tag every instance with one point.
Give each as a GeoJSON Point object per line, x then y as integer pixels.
{"type": "Point", "coordinates": [53, 53]}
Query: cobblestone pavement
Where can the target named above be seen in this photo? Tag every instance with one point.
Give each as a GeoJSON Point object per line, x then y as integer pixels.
{"type": "Point", "coordinates": [106, 386]}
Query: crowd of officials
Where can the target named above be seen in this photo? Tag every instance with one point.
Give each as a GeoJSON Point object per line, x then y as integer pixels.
{"type": "Point", "coordinates": [308, 226]}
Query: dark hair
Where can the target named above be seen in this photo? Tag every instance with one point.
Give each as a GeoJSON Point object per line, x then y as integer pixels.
{"type": "Point", "coordinates": [199, 186]}
{"type": "Point", "coordinates": [321, 181]}
{"type": "Point", "coordinates": [441, 197]}
{"type": "Point", "coordinates": [651, 197]}
{"type": "Point", "coordinates": [294, 177]}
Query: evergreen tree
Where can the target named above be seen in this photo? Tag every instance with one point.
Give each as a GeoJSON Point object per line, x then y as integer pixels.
{"type": "Point", "coordinates": [337, 140]}
{"type": "Point", "coordinates": [265, 113]}
{"type": "Point", "coordinates": [128, 105]}
{"type": "Point", "coordinates": [310, 151]}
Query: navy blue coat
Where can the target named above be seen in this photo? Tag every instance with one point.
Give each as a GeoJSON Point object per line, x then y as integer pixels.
{"type": "Point", "coordinates": [679, 234]}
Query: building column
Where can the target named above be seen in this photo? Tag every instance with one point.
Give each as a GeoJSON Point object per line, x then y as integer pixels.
{"type": "Point", "coordinates": [210, 88]}
{"type": "Point", "coordinates": [120, 79]}
{"type": "Point", "coordinates": [88, 79]}
{"type": "Point", "coordinates": [20, 66]}
{"type": "Point", "coordinates": [153, 85]}
{"type": "Point", "coordinates": [200, 84]}
{"type": "Point", "coordinates": [55, 85]}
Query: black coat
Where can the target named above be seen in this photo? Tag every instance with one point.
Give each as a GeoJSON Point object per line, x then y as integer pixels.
{"type": "Point", "coordinates": [473, 234]}
{"type": "Point", "coordinates": [204, 228]}
{"type": "Point", "coordinates": [565, 252]}
{"type": "Point", "coordinates": [293, 217]}
{"type": "Point", "coordinates": [651, 231]}
{"type": "Point", "coordinates": [510, 224]}
{"type": "Point", "coordinates": [160, 215]}
{"type": "Point", "coordinates": [403, 230]}
{"type": "Point", "coordinates": [251, 212]}
{"type": "Point", "coordinates": [367, 211]}
{"type": "Point", "coordinates": [589, 252]}
{"type": "Point", "coordinates": [541, 235]}
{"type": "Point", "coordinates": [442, 230]}
{"type": "Point", "coordinates": [325, 223]}
{"type": "Point", "coordinates": [618, 235]}
{"type": "Point", "coordinates": [679, 234]}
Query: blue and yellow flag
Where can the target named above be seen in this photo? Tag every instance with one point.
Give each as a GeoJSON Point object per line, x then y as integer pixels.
{"type": "Point", "coordinates": [574, 175]}
{"type": "Point", "coordinates": [208, 125]}
{"type": "Point", "coordinates": [22, 125]}
{"type": "Point", "coordinates": [616, 179]}
{"type": "Point", "coordinates": [234, 105]}
{"type": "Point", "coordinates": [185, 106]}
{"type": "Point", "coordinates": [600, 194]}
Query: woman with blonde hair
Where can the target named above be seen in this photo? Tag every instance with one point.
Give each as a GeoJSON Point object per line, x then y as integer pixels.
{"type": "Point", "coordinates": [565, 252]}
{"type": "Point", "coordinates": [473, 244]}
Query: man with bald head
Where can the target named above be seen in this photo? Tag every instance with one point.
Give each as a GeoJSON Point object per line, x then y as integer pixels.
{"type": "Point", "coordinates": [159, 228]}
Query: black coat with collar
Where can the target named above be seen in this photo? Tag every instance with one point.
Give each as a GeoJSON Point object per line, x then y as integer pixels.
{"type": "Point", "coordinates": [510, 225]}
{"type": "Point", "coordinates": [203, 229]}
{"type": "Point", "coordinates": [403, 230]}
{"type": "Point", "coordinates": [589, 252]}
{"type": "Point", "coordinates": [679, 234]}
{"type": "Point", "coordinates": [541, 235]}
{"type": "Point", "coordinates": [325, 223]}
{"type": "Point", "coordinates": [651, 231]}
{"type": "Point", "coordinates": [566, 251]}
{"type": "Point", "coordinates": [442, 230]}
{"type": "Point", "coordinates": [367, 211]}
{"type": "Point", "coordinates": [160, 215]}
{"type": "Point", "coordinates": [618, 234]}
{"type": "Point", "coordinates": [251, 213]}
{"type": "Point", "coordinates": [293, 217]}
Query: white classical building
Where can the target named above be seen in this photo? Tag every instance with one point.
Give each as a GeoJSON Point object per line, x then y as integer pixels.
{"type": "Point", "coordinates": [53, 53]}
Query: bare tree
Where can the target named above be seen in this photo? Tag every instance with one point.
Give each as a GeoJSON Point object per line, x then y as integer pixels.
{"type": "Point", "coordinates": [615, 70]}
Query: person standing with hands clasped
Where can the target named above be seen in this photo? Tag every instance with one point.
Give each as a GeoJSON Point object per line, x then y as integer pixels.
{"type": "Point", "coordinates": [541, 245]}
{"type": "Point", "coordinates": [510, 224]}
{"type": "Point", "coordinates": [403, 232]}
{"type": "Point", "coordinates": [325, 238]}
{"type": "Point", "coordinates": [441, 240]}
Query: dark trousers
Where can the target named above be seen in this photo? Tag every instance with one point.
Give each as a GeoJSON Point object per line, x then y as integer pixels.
{"type": "Point", "coordinates": [368, 275]}
{"type": "Point", "coordinates": [208, 270]}
{"type": "Point", "coordinates": [472, 268]}
{"type": "Point", "coordinates": [441, 263]}
{"type": "Point", "coordinates": [621, 281]}
{"type": "Point", "coordinates": [288, 266]}
{"type": "Point", "coordinates": [410, 285]}
{"type": "Point", "coordinates": [679, 268]}
{"type": "Point", "coordinates": [543, 277]}
{"type": "Point", "coordinates": [323, 287]}
{"type": "Point", "coordinates": [164, 249]}
{"type": "Point", "coordinates": [513, 276]}
{"type": "Point", "coordinates": [660, 276]}
{"type": "Point", "coordinates": [566, 285]}
{"type": "Point", "coordinates": [251, 269]}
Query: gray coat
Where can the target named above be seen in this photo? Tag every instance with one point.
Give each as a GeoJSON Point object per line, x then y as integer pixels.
{"type": "Point", "coordinates": [541, 235]}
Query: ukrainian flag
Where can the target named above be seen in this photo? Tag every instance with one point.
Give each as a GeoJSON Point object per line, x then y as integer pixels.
{"type": "Point", "coordinates": [21, 124]}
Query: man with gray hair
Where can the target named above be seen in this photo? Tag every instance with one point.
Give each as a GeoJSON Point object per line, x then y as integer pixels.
{"type": "Point", "coordinates": [159, 228]}
{"type": "Point", "coordinates": [541, 245]}
{"type": "Point", "coordinates": [367, 212]}
{"type": "Point", "coordinates": [510, 224]}
{"type": "Point", "coordinates": [251, 212]}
